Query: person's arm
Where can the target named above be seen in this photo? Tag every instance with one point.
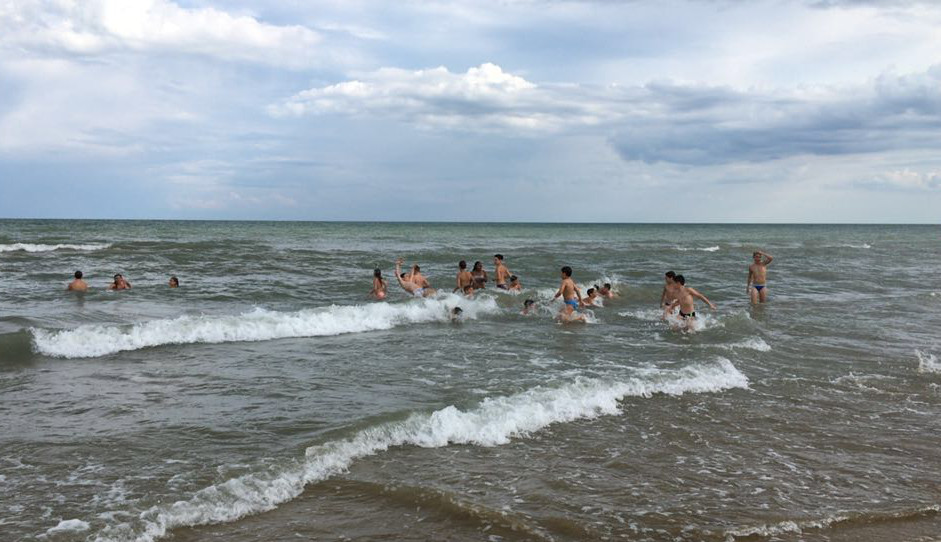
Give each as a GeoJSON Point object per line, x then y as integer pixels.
{"type": "Point", "coordinates": [457, 285]}
{"type": "Point", "coordinates": [695, 293]}
{"type": "Point", "coordinates": [578, 293]}
{"type": "Point", "coordinates": [751, 274]}
{"type": "Point", "coordinates": [768, 258]}
{"type": "Point", "coordinates": [663, 296]}
{"type": "Point", "coordinates": [398, 272]}
{"type": "Point", "coordinates": [669, 309]}
{"type": "Point", "coordinates": [557, 294]}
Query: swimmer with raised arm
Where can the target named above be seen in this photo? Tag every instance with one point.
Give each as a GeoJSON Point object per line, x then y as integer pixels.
{"type": "Point", "coordinates": [79, 284]}
{"type": "Point", "coordinates": [501, 272]}
{"type": "Point", "coordinates": [379, 286]}
{"type": "Point", "coordinates": [410, 286]}
{"type": "Point", "coordinates": [120, 283]}
{"type": "Point", "coordinates": [757, 287]}
{"type": "Point", "coordinates": [686, 302]}
{"type": "Point", "coordinates": [571, 296]}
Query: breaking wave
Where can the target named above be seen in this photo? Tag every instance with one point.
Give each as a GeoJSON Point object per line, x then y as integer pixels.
{"type": "Point", "coordinates": [927, 362]}
{"type": "Point", "coordinates": [29, 247]}
{"type": "Point", "coordinates": [257, 325]}
{"type": "Point", "coordinates": [713, 248]}
{"type": "Point", "coordinates": [493, 422]}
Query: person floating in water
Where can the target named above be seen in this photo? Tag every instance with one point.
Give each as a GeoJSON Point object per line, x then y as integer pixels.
{"type": "Point", "coordinates": [571, 296]}
{"type": "Point", "coordinates": [480, 275]}
{"type": "Point", "coordinates": [409, 285]}
{"type": "Point", "coordinates": [78, 285]}
{"type": "Point", "coordinates": [515, 285]}
{"type": "Point", "coordinates": [528, 307]}
{"type": "Point", "coordinates": [501, 272]}
{"type": "Point", "coordinates": [606, 292]}
{"type": "Point", "coordinates": [589, 299]}
{"type": "Point", "coordinates": [378, 285]}
{"type": "Point", "coordinates": [457, 314]}
{"type": "Point", "coordinates": [465, 281]}
{"type": "Point", "coordinates": [686, 302]}
{"type": "Point", "coordinates": [174, 282]}
{"type": "Point", "coordinates": [120, 283]}
{"type": "Point", "coordinates": [669, 289]}
{"type": "Point", "coordinates": [757, 287]}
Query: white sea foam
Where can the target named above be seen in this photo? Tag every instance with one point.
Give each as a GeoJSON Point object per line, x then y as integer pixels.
{"type": "Point", "coordinates": [927, 362]}
{"type": "Point", "coordinates": [753, 343]}
{"type": "Point", "coordinates": [864, 246]}
{"type": "Point", "coordinates": [68, 525]}
{"type": "Point", "coordinates": [257, 325]}
{"type": "Point", "coordinates": [495, 421]}
{"type": "Point", "coordinates": [713, 248]}
{"type": "Point", "coordinates": [29, 247]}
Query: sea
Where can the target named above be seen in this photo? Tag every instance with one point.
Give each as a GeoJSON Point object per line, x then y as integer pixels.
{"type": "Point", "coordinates": [268, 398]}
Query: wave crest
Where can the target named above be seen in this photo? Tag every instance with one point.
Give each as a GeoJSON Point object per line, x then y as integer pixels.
{"type": "Point", "coordinates": [30, 247]}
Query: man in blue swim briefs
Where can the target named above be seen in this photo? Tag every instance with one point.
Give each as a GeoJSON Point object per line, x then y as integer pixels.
{"type": "Point", "coordinates": [572, 297]}
{"type": "Point", "coordinates": [757, 287]}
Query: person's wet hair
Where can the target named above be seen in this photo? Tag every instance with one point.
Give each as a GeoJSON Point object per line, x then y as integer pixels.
{"type": "Point", "coordinates": [529, 303]}
{"type": "Point", "coordinates": [478, 265]}
{"type": "Point", "coordinates": [680, 279]}
{"type": "Point", "coordinates": [416, 268]}
{"type": "Point", "coordinates": [462, 264]}
{"type": "Point", "coordinates": [590, 291]}
{"type": "Point", "coordinates": [377, 273]}
{"type": "Point", "coordinates": [116, 277]}
{"type": "Point", "coordinates": [670, 275]}
{"type": "Point", "coordinates": [457, 310]}
{"type": "Point", "coordinates": [755, 254]}
{"type": "Point", "coordinates": [513, 278]}
{"type": "Point", "coordinates": [174, 280]}
{"type": "Point", "coordinates": [498, 256]}
{"type": "Point", "coordinates": [567, 271]}
{"type": "Point", "coordinates": [78, 274]}
{"type": "Point", "coordinates": [607, 285]}
{"type": "Point", "coordinates": [402, 275]}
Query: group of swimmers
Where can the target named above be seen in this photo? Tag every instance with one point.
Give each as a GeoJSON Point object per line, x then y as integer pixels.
{"type": "Point", "coordinates": [78, 284]}
{"type": "Point", "coordinates": [677, 298]}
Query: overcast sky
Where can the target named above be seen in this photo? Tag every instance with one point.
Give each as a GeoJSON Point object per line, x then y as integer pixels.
{"type": "Point", "coordinates": [513, 110]}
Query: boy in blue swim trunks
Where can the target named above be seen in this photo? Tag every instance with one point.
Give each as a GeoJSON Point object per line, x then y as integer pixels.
{"type": "Point", "coordinates": [757, 287]}
{"type": "Point", "coordinates": [572, 297]}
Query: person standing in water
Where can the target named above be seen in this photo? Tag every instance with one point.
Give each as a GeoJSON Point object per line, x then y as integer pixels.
{"type": "Point", "coordinates": [78, 285]}
{"type": "Point", "coordinates": [686, 302]}
{"type": "Point", "coordinates": [571, 296]}
{"type": "Point", "coordinates": [378, 285]}
{"type": "Point", "coordinates": [501, 272]}
{"type": "Point", "coordinates": [480, 276]}
{"type": "Point", "coordinates": [465, 281]}
{"type": "Point", "coordinates": [757, 287]}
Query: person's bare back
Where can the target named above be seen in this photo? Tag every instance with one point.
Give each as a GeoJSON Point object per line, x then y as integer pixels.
{"type": "Point", "coordinates": [78, 285]}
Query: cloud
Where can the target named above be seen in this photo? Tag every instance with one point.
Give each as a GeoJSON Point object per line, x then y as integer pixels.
{"type": "Point", "coordinates": [904, 179]}
{"type": "Point", "coordinates": [94, 27]}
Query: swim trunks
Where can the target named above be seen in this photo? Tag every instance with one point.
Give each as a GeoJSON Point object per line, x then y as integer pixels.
{"type": "Point", "coordinates": [502, 286]}
{"type": "Point", "coordinates": [686, 316]}
{"type": "Point", "coordinates": [419, 292]}
{"type": "Point", "coordinates": [759, 287]}
{"type": "Point", "coordinates": [572, 302]}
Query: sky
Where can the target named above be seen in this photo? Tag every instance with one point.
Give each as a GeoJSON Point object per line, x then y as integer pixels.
{"type": "Point", "coordinates": [501, 110]}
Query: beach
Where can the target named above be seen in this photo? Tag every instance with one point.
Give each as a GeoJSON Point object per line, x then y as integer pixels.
{"type": "Point", "coordinates": [268, 398]}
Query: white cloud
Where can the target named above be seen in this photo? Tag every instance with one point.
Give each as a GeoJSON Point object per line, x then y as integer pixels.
{"type": "Point", "coordinates": [905, 179]}
{"type": "Point", "coordinates": [95, 27]}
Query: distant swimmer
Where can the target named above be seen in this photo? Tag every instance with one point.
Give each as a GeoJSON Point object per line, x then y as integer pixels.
{"type": "Point", "coordinates": [669, 289]}
{"type": "Point", "coordinates": [501, 272]}
{"type": "Point", "coordinates": [465, 281]}
{"type": "Point", "coordinates": [457, 314]}
{"type": "Point", "coordinates": [606, 291]}
{"type": "Point", "coordinates": [120, 283]}
{"type": "Point", "coordinates": [686, 302]}
{"type": "Point", "coordinates": [410, 286]}
{"type": "Point", "coordinates": [515, 285]}
{"type": "Point", "coordinates": [174, 282]}
{"type": "Point", "coordinates": [757, 286]}
{"type": "Point", "coordinates": [379, 285]}
{"type": "Point", "coordinates": [480, 276]}
{"type": "Point", "coordinates": [572, 297]}
{"type": "Point", "coordinates": [528, 307]}
{"type": "Point", "coordinates": [589, 299]}
{"type": "Point", "coordinates": [78, 285]}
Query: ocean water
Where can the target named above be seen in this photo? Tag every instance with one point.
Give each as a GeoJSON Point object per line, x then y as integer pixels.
{"type": "Point", "coordinates": [269, 399]}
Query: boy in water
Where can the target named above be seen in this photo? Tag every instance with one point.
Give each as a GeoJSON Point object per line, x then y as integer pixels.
{"type": "Point", "coordinates": [684, 300]}
{"type": "Point", "coordinates": [465, 282]}
{"type": "Point", "coordinates": [589, 301]}
{"type": "Point", "coordinates": [501, 272]}
{"type": "Point", "coordinates": [409, 285]}
{"type": "Point", "coordinates": [78, 285]}
{"type": "Point", "coordinates": [457, 314]}
{"type": "Point", "coordinates": [515, 284]}
{"type": "Point", "coordinates": [756, 287]}
{"type": "Point", "coordinates": [669, 289]}
{"type": "Point", "coordinates": [528, 307]}
{"type": "Point", "coordinates": [606, 292]}
{"type": "Point", "coordinates": [572, 297]}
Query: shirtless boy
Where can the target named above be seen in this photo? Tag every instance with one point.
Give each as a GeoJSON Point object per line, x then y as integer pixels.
{"type": "Point", "coordinates": [606, 291]}
{"type": "Point", "coordinates": [686, 302]}
{"type": "Point", "coordinates": [515, 284]}
{"type": "Point", "coordinates": [408, 283]}
{"type": "Point", "coordinates": [669, 289]}
{"type": "Point", "coordinates": [756, 287]}
{"type": "Point", "coordinates": [500, 271]}
{"type": "Point", "coordinates": [572, 297]}
{"type": "Point", "coordinates": [589, 300]}
{"type": "Point", "coordinates": [465, 281]}
{"type": "Point", "coordinates": [120, 283]}
{"type": "Point", "coordinates": [78, 285]}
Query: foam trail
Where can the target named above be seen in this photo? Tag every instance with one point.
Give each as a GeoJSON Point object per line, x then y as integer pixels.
{"type": "Point", "coordinates": [258, 325]}
{"type": "Point", "coordinates": [713, 248]}
{"type": "Point", "coordinates": [927, 363]}
{"type": "Point", "coordinates": [754, 343]}
{"type": "Point", "coordinates": [29, 247]}
{"type": "Point", "coordinates": [493, 422]}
